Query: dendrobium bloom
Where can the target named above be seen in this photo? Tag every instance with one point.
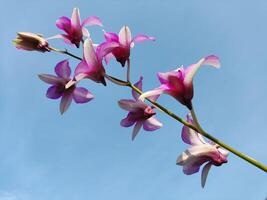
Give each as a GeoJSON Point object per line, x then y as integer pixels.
{"type": "Point", "coordinates": [199, 153]}
{"type": "Point", "coordinates": [91, 66]}
{"type": "Point", "coordinates": [125, 42]}
{"type": "Point", "coordinates": [139, 114]}
{"type": "Point", "coordinates": [31, 42]}
{"type": "Point", "coordinates": [58, 89]}
{"type": "Point", "coordinates": [74, 29]}
{"type": "Point", "coordinates": [179, 83]}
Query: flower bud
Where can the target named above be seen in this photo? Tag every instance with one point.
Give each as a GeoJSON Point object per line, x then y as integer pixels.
{"type": "Point", "coordinates": [31, 42]}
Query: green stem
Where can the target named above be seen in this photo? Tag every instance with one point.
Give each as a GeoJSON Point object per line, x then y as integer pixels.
{"type": "Point", "coordinates": [177, 118]}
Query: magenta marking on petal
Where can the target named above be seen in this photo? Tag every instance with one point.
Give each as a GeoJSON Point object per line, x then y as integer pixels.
{"type": "Point", "coordinates": [111, 37]}
{"type": "Point", "coordinates": [82, 95]}
{"type": "Point", "coordinates": [105, 48]}
{"type": "Point", "coordinates": [91, 21]}
{"type": "Point", "coordinates": [64, 24]}
{"type": "Point", "coordinates": [82, 67]}
{"type": "Point", "coordinates": [63, 69]}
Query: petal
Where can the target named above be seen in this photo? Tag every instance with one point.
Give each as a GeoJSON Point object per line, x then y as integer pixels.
{"type": "Point", "coordinates": [190, 136]}
{"type": "Point", "coordinates": [62, 69]}
{"type": "Point", "coordinates": [64, 24]}
{"type": "Point", "coordinates": [65, 102]}
{"type": "Point", "coordinates": [153, 93]}
{"type": "Point", "coordinates": [136, 129]}
{"type": "Point", "coordinates": [89, 53]}
{"type": "Point", "coordinates": [204, 173]}
{"type": "Point", "coordinates": [75, 19]}
{"type": "Point", "coordinates": [152, 124]}
{"type": "Point", "coordinates": [82, 67]}
{"type": "Point", "coordinates": [171, 77]}
{"type": "Point", "coordinates": [131, 105]}
{"type": "Point", "coordinates": [54, 92]}
{"type": "Point", "coordinates": [85, 32]}
{"type": "Point", "coordinates": [138, 84]}
{"type": "Point", "coordinates": [192, 69]}
{"type": "Point", "coordinates": [51, 79]}
{"type": "Point", "coordinates": [108, 57]}
{"type": "Point", "coordinates": [105, 48]}
{"type": "Point", "coordinates": [142, 38]}
{"type": "Point", "coordinates": [111, 37]}
{"type": "Point", "coordinates": [127, 121]}
{"type": "Point", "coordinates": [82, 95]}
{"type": "Point", "coordinates": [125, 37]}
{"type": "Point", "coordinates": [91, 21]}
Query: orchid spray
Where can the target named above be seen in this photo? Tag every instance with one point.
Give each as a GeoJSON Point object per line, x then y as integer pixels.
{"type": "Point", "coordinates": [204, 148]}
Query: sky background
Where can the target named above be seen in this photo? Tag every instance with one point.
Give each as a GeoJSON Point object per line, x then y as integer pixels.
{"type": "Point", "coordinates": [85, 154]}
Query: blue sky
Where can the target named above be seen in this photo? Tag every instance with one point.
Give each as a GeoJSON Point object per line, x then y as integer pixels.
{"type": "Point", "coordinates": [85, 154]}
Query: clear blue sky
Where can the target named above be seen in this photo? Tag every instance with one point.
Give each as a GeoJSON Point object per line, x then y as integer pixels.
{"type": "Point", "coordinates": [85, 154]}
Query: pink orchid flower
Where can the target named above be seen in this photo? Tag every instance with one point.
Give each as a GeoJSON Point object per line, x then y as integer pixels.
{"type": "Point", "coordinates": [199, 153]}
{"type": "Point", "coordinates": [57, 90]}
{"type": "Point", "coordinates": [74, 29]}
{"type": "Point", "coordinates": [139, 114]}
{"type": "Point", "coordinates": [125, 42]}
{"type": "Point", "coordinates": [179, 83]}
{"type": "Point", "coordinates": [91, 66]}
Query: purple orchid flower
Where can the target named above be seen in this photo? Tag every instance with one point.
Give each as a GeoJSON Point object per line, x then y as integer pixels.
{"type": "Point", "coordinates": [125, 42]}
{"type": "Point", "coordinates": [179, 83]}
{"type": "Point", "coordinates": [91, 66]}
{"type": "Point", "coordinates": [74, 29]}
{"type": "Point", "coordinates": [199, 153]}
{"type": "Point", "coordinates": [58, 89]}
{"type": "Point", "coordinates": [139, 114]}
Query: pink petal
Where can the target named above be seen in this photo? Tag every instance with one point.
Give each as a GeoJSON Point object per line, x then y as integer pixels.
{"type": "Point", "coordinates": [62, 69]}
{"type": "Point", "coordinates": [138, 84]}
{"type": "Point", "coordinates": [91, 21]}
{"type": "Point", "coordinates": [142, 38]}
{"type": "Point", "coordinates": [111, 37]}
{"type": "Point", "coordinates": [75, 19]}
{"type": "Point", "coordinates": [127, 122]}
{"type": "Point", "coordinates": [54, 92]}
{"type": "Point", "coordinates": [151, 124]}
{"type": "Point", "coordinates": [136, 129]}
{"type": "Point", "coordinates": [192, 69]}
{"type": "Point", "coordinates": [51, 79]}
{"type": "Point", "coordinates": [125, 37]}
{"type": "Point", "coordinates": [153, 93]}
{"type": "Point", "coordinates": [108, 57]}
{"type": "Point", "coordinates": [105, 48]}
{"type": "Point", "coordinates": [65, 102]}
{"type": "Point", "coordinates": [204, 173]}
{"type": "Point", "coordinates": [85, 32]}
{"type": "Point", "coordinates": [89, 53]}
{"type": "Point", "coordinates": [82, 67]}
{"type": "Point", "coordinates": [64, 24]}
{"type": "Point", "coordinates": [82, 95]}
{"type": "Point", "coordinates": [130, 105]}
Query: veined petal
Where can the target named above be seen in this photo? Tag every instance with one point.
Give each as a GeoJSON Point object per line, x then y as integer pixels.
{"type": "Point", "coordinates": [64, 24]}
{"type": "Point", "coordinates": [65, 102]}
{"type": "Point", "coordinates": [89, 53]}
{"type": "Point", "coordinates": [111, 37]}
{"type": "Point", "coordinates": [62, 69]}
{"type": "Point", "coordinates": [127, 121]}
{"type": "Point", "coordinates": [54, 92]}
{"type": "Point", "coordinates": [152, 124]}
{"type": "Point", "coordinates": [204, 174]}
{"type": "Point", "coordinates": [75, 19]}
{"type": "Point", "coordinates": [105, 48]}
{"type": "Point", "coordinates": [192, 69]}
{"type": "Point", "coordinates": [51, 79]}
{"type": "Point", "coordinates": [130, 105]}
{"type": "Point", "coordinates": [142, 38]}
{"type": "Point", "coordinates": [125, 37]}
{"type": "Point", "coordinates": [138, 84]}
{"type": "Point", "coordinates": [82, 95]}
{"type": "Point", "coordinates": [91, 21]}
{"type": "Point", "coordinates": [136, 129]}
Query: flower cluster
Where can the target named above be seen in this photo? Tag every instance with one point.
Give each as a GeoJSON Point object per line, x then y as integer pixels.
{"type": "Point", "coordinates": [177, 83]}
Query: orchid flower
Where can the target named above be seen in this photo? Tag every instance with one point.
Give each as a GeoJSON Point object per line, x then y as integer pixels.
{"type": "Point", "coordinates": [57, 90]}
{"type": "Point", "coordinates": [91, 66]}
{"type": "Point", "coordinates": [125, 42]}
{"type": "Point", "coordinates": [179, 83]}
{"type": "Point", "coordinates": [199, 153]}
{"type": "Point", "coordinates": [31, 42]}
{"type": "Point", "coordinates": [74, 29]}
{"type": "Point", "coordinates": [139, 114]}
